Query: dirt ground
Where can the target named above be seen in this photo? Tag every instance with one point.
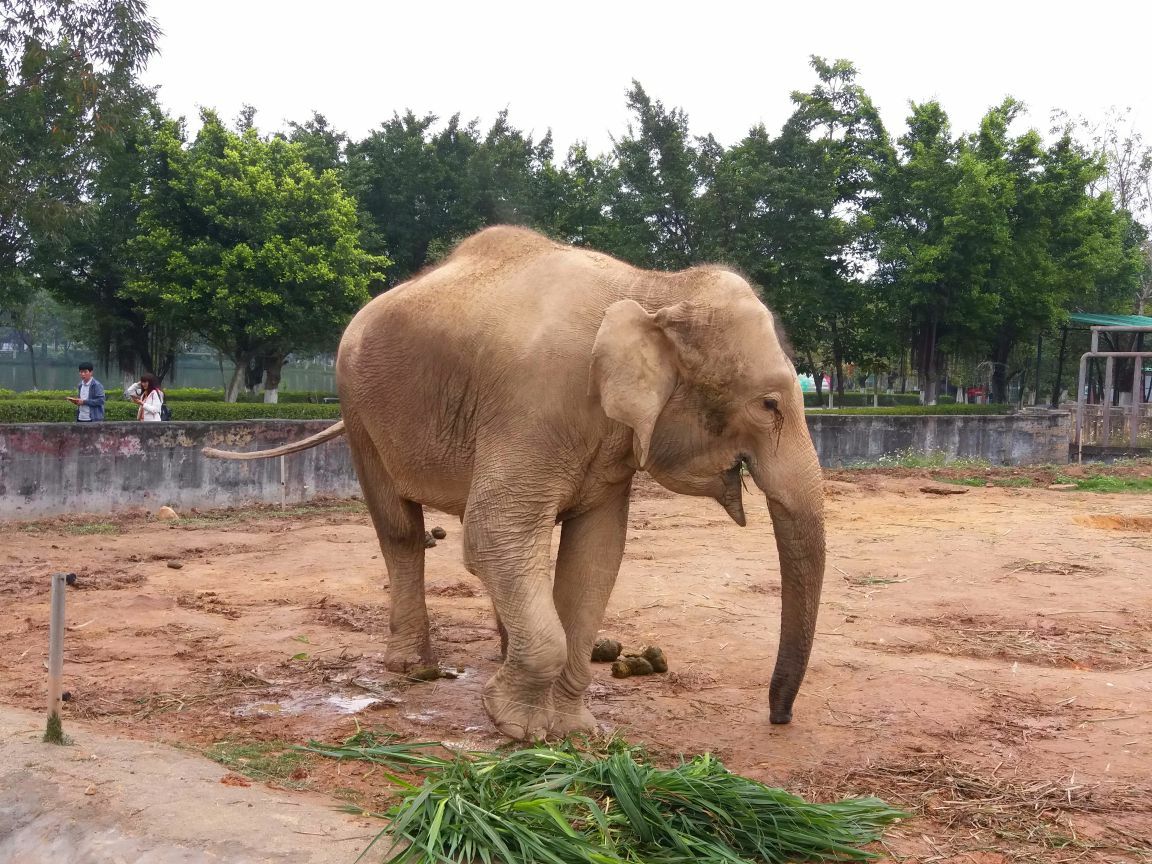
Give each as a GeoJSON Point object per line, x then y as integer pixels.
{"type": "Point", "coordinates": [983, 659]}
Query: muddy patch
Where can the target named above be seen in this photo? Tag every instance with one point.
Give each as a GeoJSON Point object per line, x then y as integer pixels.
{"type": "Point", "coordinates": [353, 617]}
{"type": "Point", "coordinates": [1037, 641]}
{"type": "Point", "coordinates": [1138, 524]}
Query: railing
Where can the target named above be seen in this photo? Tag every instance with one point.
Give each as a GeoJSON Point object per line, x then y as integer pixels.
{"type": "Point", "coordinates": [1131, 417]}
{"type": "Point", "coordinates": [1119, 426]}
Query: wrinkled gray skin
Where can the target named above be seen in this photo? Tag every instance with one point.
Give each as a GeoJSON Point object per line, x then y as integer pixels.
{"type": "Point", "coordinates": [521, 384]}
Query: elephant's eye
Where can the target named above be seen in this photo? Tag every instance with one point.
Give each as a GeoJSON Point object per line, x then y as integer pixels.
{"type": "Point", "coordinates": [770, 404]}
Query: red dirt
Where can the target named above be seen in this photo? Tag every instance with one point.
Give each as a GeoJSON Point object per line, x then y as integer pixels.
{"type": "Point", "coordinates": [985, 659]}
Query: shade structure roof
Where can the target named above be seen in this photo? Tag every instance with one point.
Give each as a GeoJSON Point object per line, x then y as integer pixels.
{"type": "Point", "coordinates": [1091, 319]}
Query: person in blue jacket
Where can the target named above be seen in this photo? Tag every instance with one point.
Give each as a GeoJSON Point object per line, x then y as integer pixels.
{"type": "Point", "coordinates": [89, 398]}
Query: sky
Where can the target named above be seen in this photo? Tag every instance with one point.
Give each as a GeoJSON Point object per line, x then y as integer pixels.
{"type": "Point", "coordinates": [567, 66]}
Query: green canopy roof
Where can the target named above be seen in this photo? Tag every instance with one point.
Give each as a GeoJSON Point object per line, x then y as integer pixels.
{"type": "Point", "coordinates": [1093, 320]}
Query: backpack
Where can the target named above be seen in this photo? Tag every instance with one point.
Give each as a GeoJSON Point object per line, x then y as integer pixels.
{"type": "Point", "coordinates": [165, 411]}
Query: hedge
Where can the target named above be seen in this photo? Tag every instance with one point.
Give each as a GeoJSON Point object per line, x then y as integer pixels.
{"type": "Point", "coordinates": [44, 411]}
{"type": "Point", "coordinates": [184, 394]}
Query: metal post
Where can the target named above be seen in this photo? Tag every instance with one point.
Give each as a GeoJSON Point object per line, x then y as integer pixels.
{"type": "Point", "coordinates": [1106, 402]}
{"type": "Point", "coordinates": [1080, 397]}
{"type": "Point", "coordinates": [1060, 371]}
{"type": "Point", "coordinates": [283, 484]}
{"type": "Point", "coordinates": [54, 733]}
{"type": "Point", "coordinates": [1137, 397]}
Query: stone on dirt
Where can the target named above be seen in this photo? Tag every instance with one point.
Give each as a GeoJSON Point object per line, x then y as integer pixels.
{"type": "Point", "coordinates": [944, 490]}
{"type": "Point", "coordinates": [1061, 487]}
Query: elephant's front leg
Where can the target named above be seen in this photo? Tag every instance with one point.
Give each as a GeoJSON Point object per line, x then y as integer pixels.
{"type": "Point", "coordinates": [508, 549]}
{"type": "Point", "coordinates": [591, 548]}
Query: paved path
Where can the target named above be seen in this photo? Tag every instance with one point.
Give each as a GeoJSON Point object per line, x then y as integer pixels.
{"type": "Point", "coordinates": [108, 800]}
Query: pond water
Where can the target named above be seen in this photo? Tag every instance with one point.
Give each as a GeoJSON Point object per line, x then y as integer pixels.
{"type": "Point", "coordinates": [50, 376]}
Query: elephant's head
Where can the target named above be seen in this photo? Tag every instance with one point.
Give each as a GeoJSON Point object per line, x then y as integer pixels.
{"type": "Point", "coordinates": [707, 389]}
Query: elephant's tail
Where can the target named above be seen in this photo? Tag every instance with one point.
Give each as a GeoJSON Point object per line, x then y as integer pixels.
{"type": "Point", "coordinates": [333, 431]}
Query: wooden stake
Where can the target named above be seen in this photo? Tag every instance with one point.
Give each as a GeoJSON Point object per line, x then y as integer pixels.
{"type": "Point", "coordinates": [54, 734]}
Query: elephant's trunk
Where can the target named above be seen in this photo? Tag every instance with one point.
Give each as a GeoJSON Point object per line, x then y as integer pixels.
{"type": "Point", "coordinates": [788, 472]}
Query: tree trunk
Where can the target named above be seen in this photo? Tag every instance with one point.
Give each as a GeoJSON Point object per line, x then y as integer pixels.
{"type": "Point", "coordinates": [32, 360]}
{"type": "Point", "coordinates": [239, 370]}
{"type": "Point", "coordinates": [1001, 355]}
{"type": "Point", "coordinates": [273, 367]}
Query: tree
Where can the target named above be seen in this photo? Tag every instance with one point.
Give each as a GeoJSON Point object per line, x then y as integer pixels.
{"type": "Point", "coordinates": [827, 162]}
{"type": "Point", "coordinates": [422, 190]}
{"type": "Point", "coordinates": [583, 188]}
{"type": "Point", "coordinates": [242, 242]}
{"type": "Point", "coordinates": [943, 218]}
{"type": "Point", "coordinates": [321, 146]}
{"type": "Point", "coordinates": [67, 81]}
{"type": "Point", "coordinates": [87, 266]}
{"type": "Point", "coordinates": [1128, 177]}
{"type": "Point", "coordinates": [657, 171]}
{"type": "Point", "coordinates": [1068, 248]}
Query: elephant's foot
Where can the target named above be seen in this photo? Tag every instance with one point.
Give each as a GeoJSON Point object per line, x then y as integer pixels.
{"type": "Point", "coordinates": [517, 714]}
{"type": "Point", "coordinates": [407, 654]}
{"type": "Point", "coordinates": [570, 715]}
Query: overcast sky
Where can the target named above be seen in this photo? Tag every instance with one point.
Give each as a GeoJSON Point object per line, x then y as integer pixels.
{"type": "Point", "coordinates": [567, 66]}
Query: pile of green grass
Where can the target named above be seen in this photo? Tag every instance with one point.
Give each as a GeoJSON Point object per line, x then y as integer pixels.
{"type": "Point", "coordinates": [564, 804]}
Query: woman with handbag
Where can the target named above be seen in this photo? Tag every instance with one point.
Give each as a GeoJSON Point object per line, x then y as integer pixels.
{"type": "Point", "coordinates": [150, 399]}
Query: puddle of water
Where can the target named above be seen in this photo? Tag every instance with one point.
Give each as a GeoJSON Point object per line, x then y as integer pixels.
{"type": "Point", "coordinates": [422, 716]}
{"type": "Point", "coordinates": [311, 702]}
{"type": "Point", "coordinates": [258, 709]}
{"type": "Point", "coordinates": [352, 704]}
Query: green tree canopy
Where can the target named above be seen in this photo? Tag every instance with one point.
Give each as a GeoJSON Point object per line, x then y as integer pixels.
{"type": "Point", "coordinates": [67, 81]}
{"type": "Point", "coordinates": [242, 241]}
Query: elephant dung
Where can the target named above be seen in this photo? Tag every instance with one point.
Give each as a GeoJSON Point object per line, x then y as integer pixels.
{"type": "Point", "coordinates": [655, 657]}
{"type": "Point", "coordinates": [429, 540]}
{"type": "Point", "coordinates": [438, 533]}
{"type": "Point", "coordinates": [606, 650]}
{"type": "Point", "coordinates": [425, 673]}
{"type": "Point", "coordinates": [629, 665]}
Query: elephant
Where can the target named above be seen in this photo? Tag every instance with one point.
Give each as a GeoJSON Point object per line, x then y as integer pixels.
{"type": "Point", "coordinates": [520, 384]}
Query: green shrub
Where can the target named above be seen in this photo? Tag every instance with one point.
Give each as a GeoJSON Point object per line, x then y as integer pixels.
{"type": "Point", "coordinates": [44, 411]}
{"type": "Point", "coordinates": [45, 395]}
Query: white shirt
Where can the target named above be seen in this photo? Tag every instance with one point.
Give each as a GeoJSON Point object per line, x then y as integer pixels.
{"type": "Point", "coordinates": [85, 410]}
{"type": "Point", "coordinates": [150, 407]}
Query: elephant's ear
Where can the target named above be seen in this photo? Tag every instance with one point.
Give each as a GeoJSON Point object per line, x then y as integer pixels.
{"type": "Point", "coordinates": [633, 371]}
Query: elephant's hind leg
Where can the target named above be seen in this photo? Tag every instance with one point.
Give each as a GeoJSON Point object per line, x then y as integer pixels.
{"type": "Point", "coordinates": [591, 548]}
{"type": "Point", "coordinates": [399, 527]}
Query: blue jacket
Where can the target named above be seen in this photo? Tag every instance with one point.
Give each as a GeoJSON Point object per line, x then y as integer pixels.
{"type": "Point", "coordinates": [95, 401]}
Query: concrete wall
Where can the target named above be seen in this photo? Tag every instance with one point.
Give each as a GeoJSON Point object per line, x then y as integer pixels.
{"type": "Point", "coordinates": [52, 468]}
{"type": "Point", "coordinates": [1030, 438]}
